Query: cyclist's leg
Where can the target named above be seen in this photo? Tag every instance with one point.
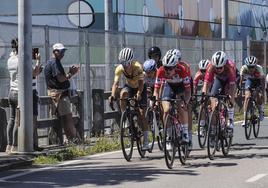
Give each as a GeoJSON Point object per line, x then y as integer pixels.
{"type": "Point", "coordinates": [230, 90]}
{"type": "Point", "coordinates": [216, 88]}
{"type": "Point", "coordinates": [166, 95]}
{"type": "Point", "coordinates": [125, 93]}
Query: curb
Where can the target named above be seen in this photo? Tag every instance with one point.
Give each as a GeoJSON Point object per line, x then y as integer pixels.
{"type": "Point", "coordinates": [16, 164]}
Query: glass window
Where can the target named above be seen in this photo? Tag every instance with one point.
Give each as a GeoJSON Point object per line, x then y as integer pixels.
{"type": "Point", "coordinates": [205, 11]}
{"type": "Point", "coordinates": [155, 7]}
{"type": "Point", "coordinates": [190, 10]}
{"type": "Point", "coordinates": [172, 8]}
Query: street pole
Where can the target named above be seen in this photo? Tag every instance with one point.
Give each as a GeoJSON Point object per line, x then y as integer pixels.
{"type": "Point", "coordinates": [108, 27]}
{"type": "Point", "coordinates": [25, 98]}
{"type": "Point", "coordinates": [224, 22]}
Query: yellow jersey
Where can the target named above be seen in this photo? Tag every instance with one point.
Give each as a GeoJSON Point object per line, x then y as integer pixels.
{"type": "Point", "coordinates": [133, 78]}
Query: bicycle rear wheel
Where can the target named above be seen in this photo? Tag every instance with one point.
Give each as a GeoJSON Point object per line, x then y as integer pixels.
{"type": "Point", "coordinates": [248, 121]}
{"type": "Point", "coordinates": [151, 135]}
{"type": "Point", "coordinates": [213, 135]}
{"type": "Point", "coordinates": [169, 141]}
{"type": "Point", "coordinates": [255, 121]}
{"type": "Point", "coordinates": [202, 130]}
{"type": "Point", "coordinates": [139, 137]}
{"type": "Point", "coordinates": [160, 127]}
{"type": "Point", "coordinates": [126, 136]}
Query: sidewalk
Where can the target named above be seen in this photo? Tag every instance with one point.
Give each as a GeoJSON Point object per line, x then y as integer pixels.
{"type": "Point", "coordinates": [8, 162]}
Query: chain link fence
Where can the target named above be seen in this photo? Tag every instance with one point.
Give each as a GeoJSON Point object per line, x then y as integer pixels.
{"type": "Point", "coordinates": [96, 52]}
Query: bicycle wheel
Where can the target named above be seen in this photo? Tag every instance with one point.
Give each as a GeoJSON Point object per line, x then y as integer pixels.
{"type": "Point", "coordinates": [139, 137]}
{"type": "Point", "coordinates": [160, 126]}
{"type": "Point", "coordinates": [202, 130]}
{"type": "Point", "coordinates": [226, 137]}
{"type": "Point", "coordinates": [213, 137]}
{"type": "Point", "coordinates": [255, 121]}
{"type": "Point", "coordinates": [169, 142]}
{"type": "Point", "coordinates": [151, 135]}
{"type": "Point", "coordinates": [183, 151]}
{"type": "Point", "coordinates": [126, 136]}
{"type": "Point", "coordinates": [248, 120]}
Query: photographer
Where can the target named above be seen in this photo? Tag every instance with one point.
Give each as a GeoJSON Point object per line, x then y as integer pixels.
{"type": "Point", "coordinates": [58, 85]}
{"type": "Point", "coordinates": [12, 128]}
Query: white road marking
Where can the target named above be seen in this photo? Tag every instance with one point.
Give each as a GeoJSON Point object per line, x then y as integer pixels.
{"type": "Point", "coordinates": [255, 178]}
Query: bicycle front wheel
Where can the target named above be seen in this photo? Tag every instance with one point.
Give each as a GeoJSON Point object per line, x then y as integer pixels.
{"type": "Point", "coordinates": [255, 122]}
{"type": "Point", "coordinates": [139, 139]}
{"type": "Point", "coordinates": [202, 130]}
{"type": "Point", "coordinates": [213, 135]}
{"type": "Point", "coordinates": [169, 141]}
{"type": "Point", "coordinates": [126, 136]}
{"type": "Point", "coordinates": [160, 127]}
{"type": "Point", "coordinates": [248, 120]}
{"type": "Point", "coordinates": [226, 137]}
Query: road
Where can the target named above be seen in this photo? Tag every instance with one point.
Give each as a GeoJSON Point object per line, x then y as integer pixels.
{"type": "Point", "coordinates": [246, 166]}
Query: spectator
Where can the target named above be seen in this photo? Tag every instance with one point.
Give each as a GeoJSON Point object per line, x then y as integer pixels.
{"type": "Point", "coordinates": [12, 128]}
{"type": "Point", "coordinates": [58, 85]}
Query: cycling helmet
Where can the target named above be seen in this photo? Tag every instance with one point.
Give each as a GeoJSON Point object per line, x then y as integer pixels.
{"type": "Point", "coordinates": [169, 60]}
{"type": "Point", "coordinates": [125, 56]}
{"type": "Point", "coordinates": [251, 61]}
{"type": "Point", "coordinates": [154, 50]}
{"type": "Point", "coordinates": [175, 52]}
{"type": "Point", "coordinates": [149, 65]}
{"type": "Point", "coordinates": [219, 59]}
{"type": "Point", "coordinates": [203, 64]}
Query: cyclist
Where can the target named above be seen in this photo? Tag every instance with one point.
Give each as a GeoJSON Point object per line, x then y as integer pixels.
{"type": "Point", "coordinates": [173, 80]}
{"type": "Point", "coordinates": [132, 70]}
{"type": "Point", "coordinates": [155, 54]}
{"type": "Point", "coordinates": [200, 75]}
{"type": "Point", "coordinates": [187, 67]}
{"type": "Point", "coordinates": [254, 76]}
{"type": "Point", "coordinates": [221, 74]}
{"type": "Point", "coordinates": [150, 68]}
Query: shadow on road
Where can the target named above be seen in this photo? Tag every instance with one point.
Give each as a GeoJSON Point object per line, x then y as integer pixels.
{"type": "Point", "coordinates": [93, 175]}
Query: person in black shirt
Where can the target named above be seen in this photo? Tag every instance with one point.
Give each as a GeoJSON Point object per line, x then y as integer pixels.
{"type": "Point", "coordinates": [58, 88]}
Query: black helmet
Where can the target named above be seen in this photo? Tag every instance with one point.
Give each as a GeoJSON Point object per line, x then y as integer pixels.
{"type": "Point", "coordinates": [154, 50]}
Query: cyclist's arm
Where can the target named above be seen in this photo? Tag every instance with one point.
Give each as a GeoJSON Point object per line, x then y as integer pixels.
{"type": "Point", "coordinates": [118, 72]}
{"type": "Point", "coordinates": [114, 88]}
{"type": "Point", "coordinates": [141, 86]}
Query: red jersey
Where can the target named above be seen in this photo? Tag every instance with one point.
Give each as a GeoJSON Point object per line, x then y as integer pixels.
{"type": "Point", "coordinates": [198, 76]}
{"type": "Point", "coordinates": [180, 76]}
{"type": "Point", "coordinates": [228, 74]}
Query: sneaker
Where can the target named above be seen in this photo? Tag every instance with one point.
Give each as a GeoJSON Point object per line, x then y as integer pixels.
{"type": "Point", "coordinates": [145, 146]}
{"type": "Point", "coordinates": [8, 148]}
{"type": "Point", "coordinates": [185, 138]}
{"type": "Point", "coordinates": [261, 116]}
{"type": "Point", "coordinates": [201, 131]}
{"type": "Point", "coordinates": [13, 149]}
{"type": "Point", "coordinates": [168, 146]}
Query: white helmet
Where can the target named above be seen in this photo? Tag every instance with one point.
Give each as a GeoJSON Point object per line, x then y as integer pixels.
{"type": "Point", "coordinates": [251, 61]}
{"type": "Point", "coordinates": [219, 59]}
{"type": "Point", "coordinates": [169, 60]}
{"type": "Point", "coordinates": [203, 64]}
{"type": "Point", "coordinates": [125, 56]}
{"type": "Point", "coordinates": [175, 52]}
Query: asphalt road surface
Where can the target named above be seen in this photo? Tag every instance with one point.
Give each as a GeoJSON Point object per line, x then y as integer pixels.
{"type": "Point", "coordinates": [246, 166]}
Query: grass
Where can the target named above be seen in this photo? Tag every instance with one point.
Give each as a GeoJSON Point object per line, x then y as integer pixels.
{"type": "Point", "coordinates": [103, 144]}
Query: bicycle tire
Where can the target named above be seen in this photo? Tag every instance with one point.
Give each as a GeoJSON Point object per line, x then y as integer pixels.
{"type": "Point", "coordinates": [160, 125]}
{"type": "Point", "coordinates": [139, 137]}
{"type": "Point", "coordinates": [126, 131]}
{"type": "Point", "coordinates": [256, 122]}
{"type": "Point", "coordinates": [202, 138]}
{"type": "Point", "coordinates": [226, 138]}
{"type": "Point", "coordinates": [149, 117]}
{"type": "Point", "coordinates": [213, 135]}
{"type": "Point", "coordinates": [183, 151]}
{"type": "Point", "coordinates": [248, 121]}
{"type": "Point", "coordinates": [169, 138]}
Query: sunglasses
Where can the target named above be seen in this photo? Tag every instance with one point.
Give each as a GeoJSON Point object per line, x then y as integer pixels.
{"type": "Point", "coordinates": [168, 68]}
